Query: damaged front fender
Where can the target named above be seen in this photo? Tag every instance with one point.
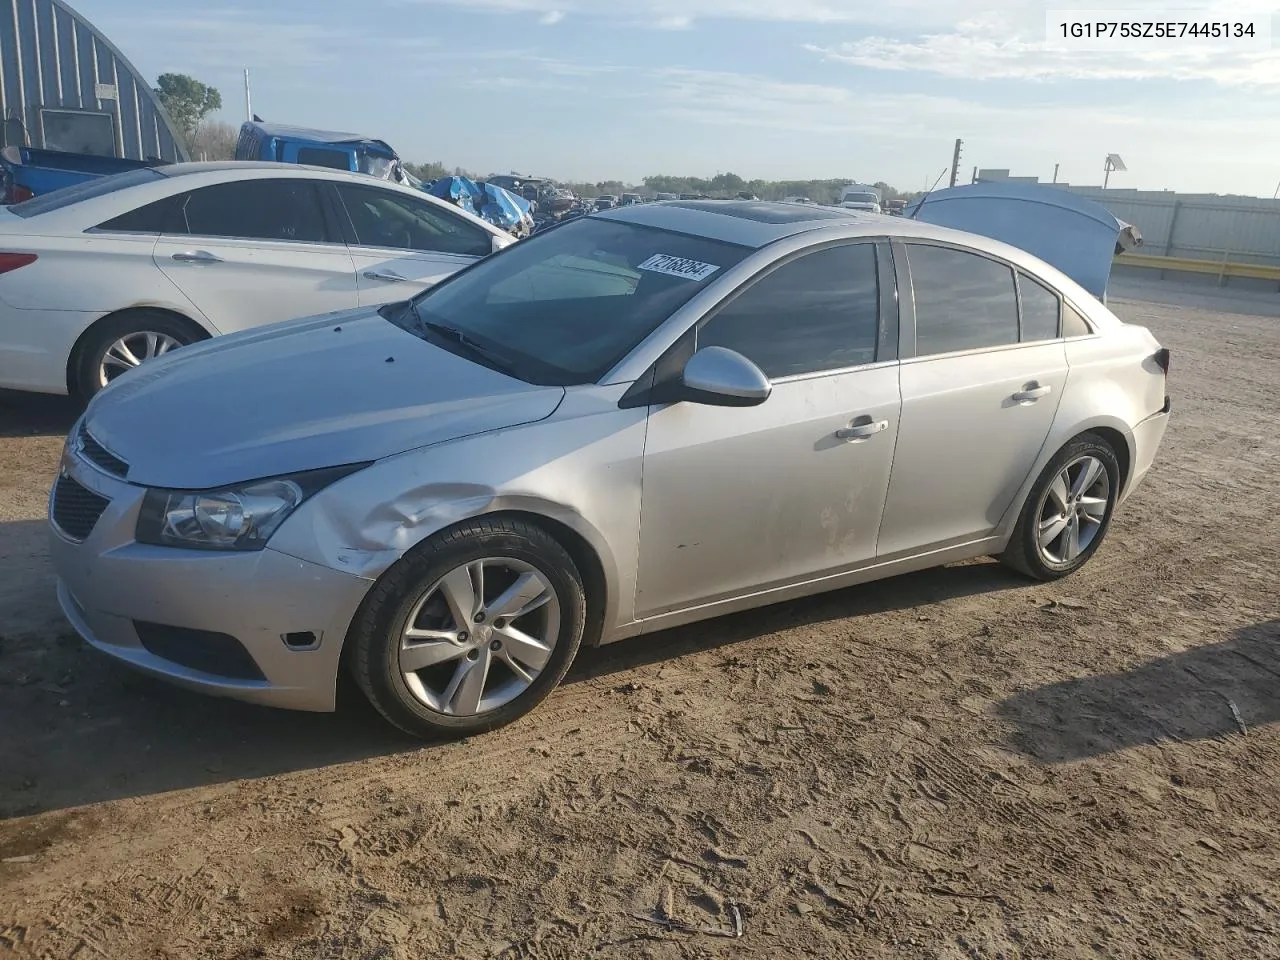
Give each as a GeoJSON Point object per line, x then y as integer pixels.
{"type": "Point", "coordinates": [580, 469]}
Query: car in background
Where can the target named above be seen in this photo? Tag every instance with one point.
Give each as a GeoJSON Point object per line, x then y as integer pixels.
{"type": "Point", "coordinates": [606, 201]}
{"type": "Point", "coordinates": [630, 199]}
{"type": "Point", "coordinates": [353, 152]}
{"type": "Point", "coordinates": [100, 277]}
{"type": "Point", "coordinates": [443, 495]}
{"type": "Point", "coordinates": [796, 200]}
{"type": "Point", "coordinates": [27, 172]}
{"type": "Point", "coordinates": [666, 196]}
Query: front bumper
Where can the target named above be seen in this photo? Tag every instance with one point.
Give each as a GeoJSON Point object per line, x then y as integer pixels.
{"type": "Point", "coordinates": [109, 585]}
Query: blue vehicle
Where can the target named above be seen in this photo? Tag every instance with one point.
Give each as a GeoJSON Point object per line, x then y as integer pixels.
{"type": "Point", "coordinates": [281, 143]}
{"type": "Point", "coordinates": [27, 172]}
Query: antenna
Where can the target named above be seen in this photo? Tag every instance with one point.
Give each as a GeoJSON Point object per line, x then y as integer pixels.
{"type": "Point", "coordinates": [920, 206]}
{"type": "Point", "coordinates": [1113, 162]}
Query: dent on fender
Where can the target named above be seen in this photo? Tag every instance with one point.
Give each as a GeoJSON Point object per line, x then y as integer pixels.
{"type": "Point", "coordinates": [365, 544]}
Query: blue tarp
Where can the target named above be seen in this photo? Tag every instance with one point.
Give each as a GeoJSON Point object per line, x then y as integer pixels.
{"type": "Point", "coordinates": [1071, 232]}
{"type": "Point", "coordinates": [500, 207]}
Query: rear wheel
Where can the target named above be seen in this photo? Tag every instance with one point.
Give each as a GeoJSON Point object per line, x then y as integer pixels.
{"type": "Point", "coordinates": [471, 630]}
{"type": "Point", "coordinates": [1068, 511]}
{"type": "Point", "coordinates": [119, 343]}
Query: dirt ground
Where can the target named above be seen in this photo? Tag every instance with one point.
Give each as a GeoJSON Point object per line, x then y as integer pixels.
{"type": "Point", "coordinates": [953, 764]}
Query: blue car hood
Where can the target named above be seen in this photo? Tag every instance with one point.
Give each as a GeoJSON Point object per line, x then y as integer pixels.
{"type": "Point", "coordinates": [342, 388]}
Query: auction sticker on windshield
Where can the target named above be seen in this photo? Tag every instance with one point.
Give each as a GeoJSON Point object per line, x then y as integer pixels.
{"type": "Point", "coordinates": [678, 267]}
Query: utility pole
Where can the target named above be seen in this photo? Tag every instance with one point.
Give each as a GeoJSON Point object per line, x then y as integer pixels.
{"type": "Point", "coordinates": [248, 104]}
{"type": "Point", "coordinates": [955, 162]}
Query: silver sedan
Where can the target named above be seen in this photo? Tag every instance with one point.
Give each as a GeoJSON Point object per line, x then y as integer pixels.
{"type": "Point", "coordinates": [638, 419]}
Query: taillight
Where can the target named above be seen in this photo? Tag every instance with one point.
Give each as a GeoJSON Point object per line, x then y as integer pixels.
{"type": "Point", "coordinates": [18, 193]}
{"type": "Point", "coordinates": [1162, 357]}
{"type": "Point", "coordinates": [12, 261]}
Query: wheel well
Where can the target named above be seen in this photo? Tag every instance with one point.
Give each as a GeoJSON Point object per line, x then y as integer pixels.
{"type": "Point", "coordinates": [584, 558]}
{"type": "Point", "coordinates": [1115, 440]}
{"type": "Point", "coordinates": [73, 359]}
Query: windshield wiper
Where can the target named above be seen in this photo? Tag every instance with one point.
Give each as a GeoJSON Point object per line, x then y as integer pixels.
{"type": "Point", "coordinates": [476, 350]}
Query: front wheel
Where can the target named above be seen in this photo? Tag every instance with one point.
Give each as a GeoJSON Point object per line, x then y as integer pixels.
{"type": "Point", "coordinates": [1067, 512]}
{"type": "Point", "coordinates": [471, 630]}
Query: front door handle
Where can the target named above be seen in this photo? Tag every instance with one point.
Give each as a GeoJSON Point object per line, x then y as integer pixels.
{"type": "Point", "coordinates": [863, 428]}
{"type": "Point", "coordinates": [196, 256]}
{"type": "Point", "coordinates": [388, 277]}
{"type": "Point", "coordinates": [1031, 392]}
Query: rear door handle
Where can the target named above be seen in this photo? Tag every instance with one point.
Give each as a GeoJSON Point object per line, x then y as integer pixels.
{"type": "Point", "coordinates": [1032, 392]}
{"type": "Point", "coordinates": [388, 277]}
{"type": "Point", "coordinates": [196, 256]}
{"type": "Point", "coordinates": [863, 428]}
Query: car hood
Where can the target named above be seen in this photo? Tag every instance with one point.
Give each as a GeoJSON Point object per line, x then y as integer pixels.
{"type": "Point", "coordinates": [342, 388]}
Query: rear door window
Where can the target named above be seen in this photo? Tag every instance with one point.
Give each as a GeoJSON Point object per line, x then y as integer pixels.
{"type": "Point", "coordinates": [963, 301]}
{"type": "Point", "coordinates": [1040, 310]}
{"type": "Point", "coordinates": [282, 210]}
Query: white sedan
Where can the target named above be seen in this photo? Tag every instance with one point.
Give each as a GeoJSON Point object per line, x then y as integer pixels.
{"type": "Point", "coordinates": [100, 277]}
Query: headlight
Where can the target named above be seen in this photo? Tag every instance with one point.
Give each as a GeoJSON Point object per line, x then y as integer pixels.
{"type": "Point", "coordinates": [242, 517]}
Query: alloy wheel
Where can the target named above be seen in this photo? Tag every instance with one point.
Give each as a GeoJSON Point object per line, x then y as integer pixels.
{"type": "Point", "coordinates": [131, 350]}
{"type": "Point", "coordinates": [1073, 510]}
{"type": "Point", "coordinates": [479, 636]}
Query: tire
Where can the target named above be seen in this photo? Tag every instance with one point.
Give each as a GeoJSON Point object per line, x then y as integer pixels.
{"type": "Point", "coordinates": [86, 373]}
{"type": "Point", "coordinates": [1043, 513]}
{"type": "Point", "coordinates": [422, 592]}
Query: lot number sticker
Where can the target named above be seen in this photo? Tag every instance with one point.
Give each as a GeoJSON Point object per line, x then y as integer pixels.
{"type": "Point", "coordinates": [678, 267]}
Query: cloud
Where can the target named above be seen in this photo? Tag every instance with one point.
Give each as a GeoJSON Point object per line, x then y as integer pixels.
{"type": "Point", "coordinates": [990, 48]}
{"type": "Point", "coordinates": [681, 14]}
{"type": "Point", "coordinates": [551, 18]}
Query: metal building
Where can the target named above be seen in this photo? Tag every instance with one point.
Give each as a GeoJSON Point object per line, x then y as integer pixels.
{"type": "Point", "coordinates": [64, 86]}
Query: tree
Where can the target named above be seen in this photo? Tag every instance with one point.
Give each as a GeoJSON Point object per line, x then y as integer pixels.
{"type": "Point", "coordinates": [213, 141]}
{"type": "Point", "coordinates": [188, 101]}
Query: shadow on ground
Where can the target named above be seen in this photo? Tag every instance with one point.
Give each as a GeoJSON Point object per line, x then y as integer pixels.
{"type": "Point", "coordinates": [1211, 691]}
{"type": "Point", "coordinates": [36, 414]}
{"type": "Point", "coordinates": [78, 728]}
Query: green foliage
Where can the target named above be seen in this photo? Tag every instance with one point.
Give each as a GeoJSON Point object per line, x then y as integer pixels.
{"type": "Point", "coordinates": [435, 170]}
{"type": "Point", "coordinates": [188, 101]}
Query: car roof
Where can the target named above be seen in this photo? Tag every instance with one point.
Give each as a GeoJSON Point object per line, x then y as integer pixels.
{"type": "Point", "coordinates": [312, 135]}
{"type": "Point", "coordinates": [759, 223]}
{"type": "Point", "coordinates": [748, 223]}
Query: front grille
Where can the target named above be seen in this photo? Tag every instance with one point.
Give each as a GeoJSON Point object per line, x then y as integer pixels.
{"type": "Point", "coordinates": [75, 509]}
{"type": "Point", "coordinates": [100, 456]}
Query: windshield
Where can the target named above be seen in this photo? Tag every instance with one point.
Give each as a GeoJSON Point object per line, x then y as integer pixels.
{"type": "Point", "coordinates": [861, 198]}
{"type": "Point", "coordinates": [379, 167]}
{"type": "Point", "coordinates": [564, 306]}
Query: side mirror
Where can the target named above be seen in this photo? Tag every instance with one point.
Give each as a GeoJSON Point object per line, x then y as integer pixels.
{"type": "Point", "coordinates": [721, 377]}
{"type": "Point", "coordinates": [497, 243]}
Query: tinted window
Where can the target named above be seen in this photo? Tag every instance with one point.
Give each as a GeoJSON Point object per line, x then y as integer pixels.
{"type": "Point", "coordinates": [1039, 310]}
{"type": "Point", "coordinates": [382, 218]}
{"type": "Point", "coordinates": [88, 190]}
{"type": "Point", "coordinates": [1073, 325]}
{"type": "Point", "coordinates": [820, 312]}
{"type": "Point", "coordinates": [963, 301]}
{"type": "Point", "coordinates": [256, 210]}
{"type": "Point", "coordinates": [565, 306]}
{"type": "Point", "coordinates": [314, 157]}
{"type": "Point", "coordinates": [163, 216]}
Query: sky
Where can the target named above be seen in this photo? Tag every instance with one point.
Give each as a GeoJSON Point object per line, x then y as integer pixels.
{"type": "Point", "coordinates": [772, 89]}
